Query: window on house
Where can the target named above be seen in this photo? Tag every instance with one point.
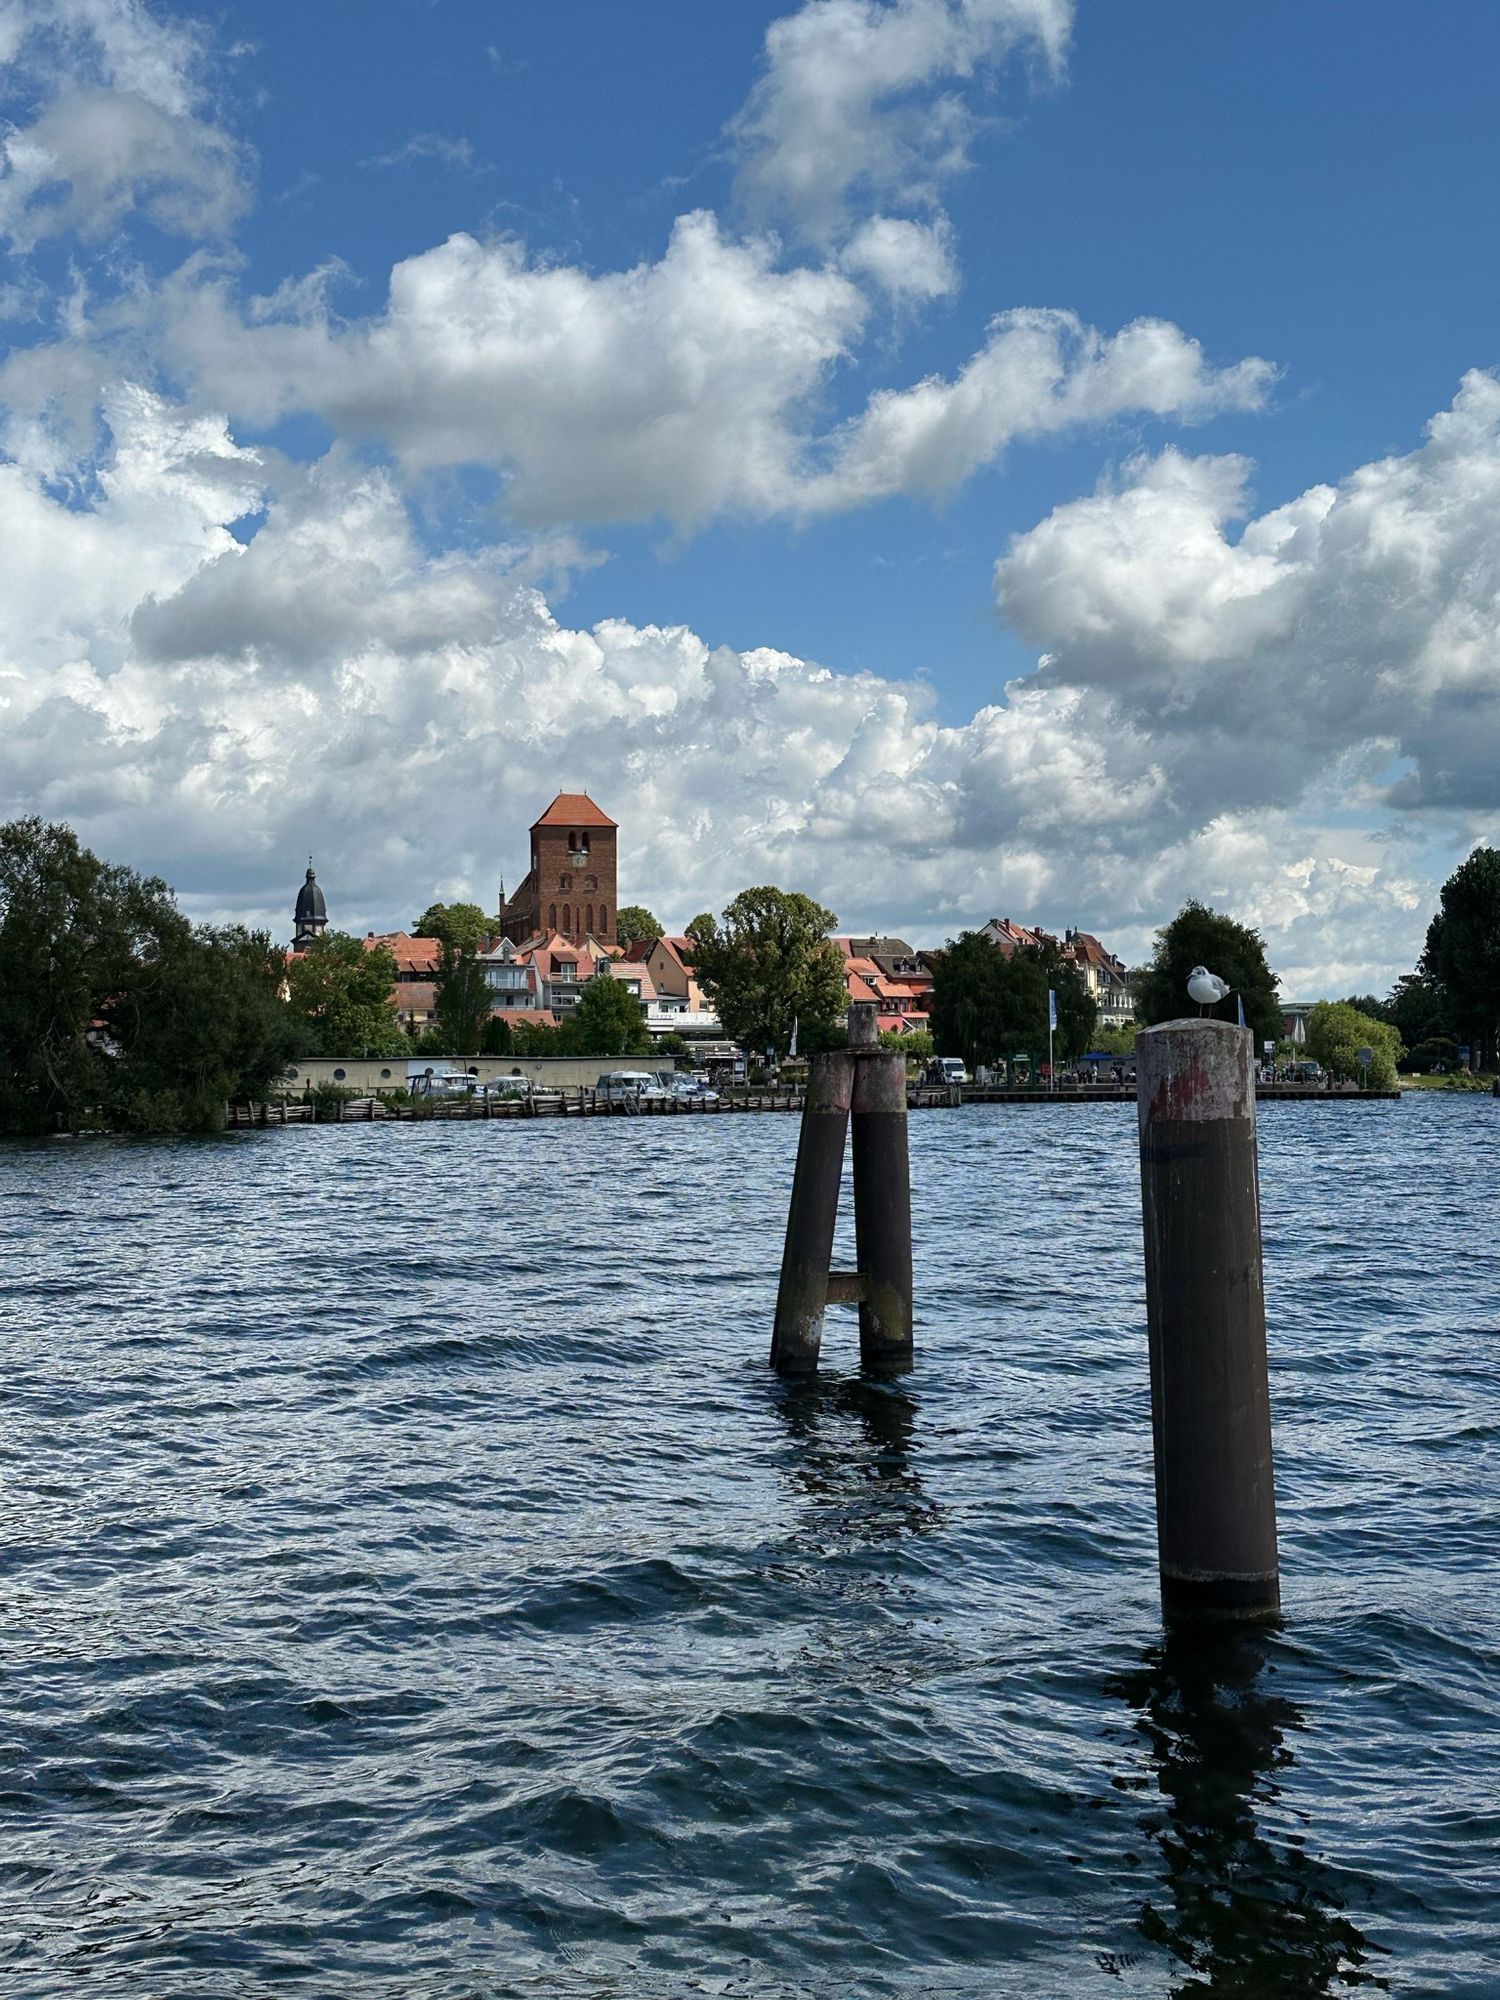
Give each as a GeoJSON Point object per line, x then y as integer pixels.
{"type": "Point", "coordinates": [552, 916]}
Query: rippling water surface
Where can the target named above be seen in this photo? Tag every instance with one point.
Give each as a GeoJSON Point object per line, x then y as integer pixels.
{"type": "Point", "coordinates": [413, 1581]}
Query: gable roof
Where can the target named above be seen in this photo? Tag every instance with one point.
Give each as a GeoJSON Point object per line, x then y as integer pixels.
{"type": "Point", "coordinates": [572, 809]}
{"type": "Point", "coordinates": [412, 954]}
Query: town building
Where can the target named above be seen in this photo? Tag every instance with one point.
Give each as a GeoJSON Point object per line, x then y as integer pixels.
{"type": "Point", "coordinates": [887, 972]}
{"type": "Point", "coordinates": [415, 993]}
{"type": "Point", "coordinates": [1104, 976]}
{"type": "Point", "coordinates": [678, 1004]}
{"type": "Point", "coordinates": [570, 888]}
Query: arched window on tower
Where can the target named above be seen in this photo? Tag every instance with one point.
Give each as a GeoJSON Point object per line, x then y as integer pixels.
{"type": "Point", "coordinates": [567, 929]}
{"type": "Point", "coordinates": [552, 916]}
{"type": "Point", "coordinates": [603, 924]}
{"type": "Point", "coordinates": [590, 925]}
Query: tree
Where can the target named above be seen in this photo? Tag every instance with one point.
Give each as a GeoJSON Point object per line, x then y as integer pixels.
{"type": "Point", "coordinates": [340, 993]}
{"type": "Point", "coordinates": [114, 1009]}
{"type": "Point", "coordinates": [1462, 953]}
{"type": "Point", "coordinates": [1077, 1009]}
{"type": "Point", "coordinates": [464, 926]}
{"type": "Point", "coordinates": [1336, 1032]}
{"type": "Point", "coordinates": [673, 1044]}
{"type": "Point", "coordinates": [915, 1046]}
{"type": "Point", "coordinates": [986, 1006]}
{"type": "Point", "coordinates": [462, 1000]}
{"type": "Point", "coordinates": [1200, 936]}
{"type": "Point", "coordinates": [497, 1039]}
{"type": "Point", "coordinates": [535, 1038]}
{"type": "Point", "coordinates": [636, 925]}
{"type": "Point", "coordinates": [199, 1024]}
{"type": "Point", "coordinates": [607, 1021]}
{"type": "Point", "coordinates": [702, 925]}
{"type": "Point", "coordinates": [72, 929]}
{"type": "Point", "coordinates": [770, 966]}
{"type": "Point", "coordinates": [1417, 1009]}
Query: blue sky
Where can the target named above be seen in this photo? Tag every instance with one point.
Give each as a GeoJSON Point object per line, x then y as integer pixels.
{"type": "Point", "coordinates": [678, 458]}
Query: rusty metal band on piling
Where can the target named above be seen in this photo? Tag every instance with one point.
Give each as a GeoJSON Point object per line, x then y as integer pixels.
{"type": "Point", "coordinates": [1210, 1401]}
{"type": "Point", "coordinates": [882, 1208]}
{"type": "Point", "coordinates": [802, 1298]}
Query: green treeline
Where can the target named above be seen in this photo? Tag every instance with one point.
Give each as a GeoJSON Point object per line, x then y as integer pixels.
{"type": "Point", "coordinates": [117, 1012]}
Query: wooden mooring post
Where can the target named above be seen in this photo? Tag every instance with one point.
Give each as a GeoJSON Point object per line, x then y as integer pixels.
{"type": "Point", "coordinates": [1210, 1403]}
{"type": "Point", "coordinates": [863, 1085]}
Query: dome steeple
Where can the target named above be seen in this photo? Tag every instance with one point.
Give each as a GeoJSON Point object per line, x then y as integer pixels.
{"type": "Point", "coordinates": [312, 912]}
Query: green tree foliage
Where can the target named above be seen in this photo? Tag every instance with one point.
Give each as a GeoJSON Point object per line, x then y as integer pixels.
{"type": "Point", "coordinates": [1200, 936]}
{"type": "Point", "coordinates": [114, 1010]}
{"type": "Point", "coordinates": [1336, 1032]}
{"type": "Point", "coordinates": [497, 1039]}
{"type": "Point", "coordinates": [1077, 1009]}
{"type": "Point", "coordinates": [702, 925]}
{"type": "Point", "coordinates": [535, 1038]}
{"type": "Point", "coordinates": [1417, 1009]}
{"type": "Point", "coordinates": [635, 924]}
{"type": "Point", "coordinates": [1119, 1042]}
{"type": "Point", "coordinates": [1462, 953]}
{"type": "Point", "coordinates": [464, 926]}
{"type": "Point", "coordinates": [771, 964]}
{"type": "Point", "coordinates": [462, 1001]}
{"type": "Point", "coordinates": [606, 1022]}
{"type": "Point", "coordinates": [200, 1024]}
{"type": "Point", "coordinates": [1438, 1053]}
{"type": "Point", "coordinates": [916, 1047]}
{"type": "Point", "coordinates": [341, 999]}
{"type": "Point", "coordinates": [985, 1005]}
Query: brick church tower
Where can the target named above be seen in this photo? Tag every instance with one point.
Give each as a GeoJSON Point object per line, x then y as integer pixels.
{"type": "Point", "coordinates": [570, 887]}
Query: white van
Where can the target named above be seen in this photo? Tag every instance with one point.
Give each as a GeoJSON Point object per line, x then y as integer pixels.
{"type": "Point", "coordinates": [629, 1086]}
{"type": "Point", "coordinates": [951, 1070]}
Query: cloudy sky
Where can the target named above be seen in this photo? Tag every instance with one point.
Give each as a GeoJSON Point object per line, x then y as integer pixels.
{"type": "Point", "coordinates": [955, 457]}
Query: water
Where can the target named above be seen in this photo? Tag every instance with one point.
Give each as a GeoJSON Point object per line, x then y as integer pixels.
{"type": "Point", "coordinates": [413, 1582]}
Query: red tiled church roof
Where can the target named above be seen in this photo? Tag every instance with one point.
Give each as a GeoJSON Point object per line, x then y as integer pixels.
{"type": "Point", "coordinates": [573, 809]}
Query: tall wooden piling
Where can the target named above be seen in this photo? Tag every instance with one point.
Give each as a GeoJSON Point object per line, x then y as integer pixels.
{"type": "Point", "coordinates": [802, 1298]}
{"type": "Point", "coordinates": [882, 1202]}
{"type": "Point", "coordinates": [1210, 1404]}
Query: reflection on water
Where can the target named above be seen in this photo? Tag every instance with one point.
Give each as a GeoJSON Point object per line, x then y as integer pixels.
{"type": "Point", "coordinates": [1244, 1912]}
{"type": "Point", "coordinates": [853, 1445]}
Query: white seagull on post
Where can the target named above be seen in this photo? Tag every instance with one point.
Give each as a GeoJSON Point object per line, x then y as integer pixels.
{"type": "Point", "coordinates": [1206, 987]}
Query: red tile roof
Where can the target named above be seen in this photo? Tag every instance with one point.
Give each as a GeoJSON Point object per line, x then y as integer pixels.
{"type": "Point", "coordinates": [573, 809]}
{"type": "Point", "coordinates": [412, 954]}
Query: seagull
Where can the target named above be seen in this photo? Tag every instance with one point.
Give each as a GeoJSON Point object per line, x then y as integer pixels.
{"type": "Point", "coordinates": [1206, 987]}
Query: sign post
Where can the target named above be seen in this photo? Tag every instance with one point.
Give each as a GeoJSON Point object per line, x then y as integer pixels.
{"type": "Point", "coordinates": [1051, 1031]}
{"type": "Point", "coordinates": [1364, 1057]}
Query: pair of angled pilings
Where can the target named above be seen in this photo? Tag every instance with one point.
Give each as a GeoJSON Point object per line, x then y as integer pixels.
{"type": "Point", "coordinates": [859, 1089]}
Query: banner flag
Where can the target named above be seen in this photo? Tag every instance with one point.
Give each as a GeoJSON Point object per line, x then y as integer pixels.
{"type": "Point", "coordinates": [1052, 1011]}
{"type": "Point", "coordinates": [1239, 1001]}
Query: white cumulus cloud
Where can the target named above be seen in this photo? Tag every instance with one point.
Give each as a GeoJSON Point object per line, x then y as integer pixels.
{"type": "Point", "coordinates": [857, 101]}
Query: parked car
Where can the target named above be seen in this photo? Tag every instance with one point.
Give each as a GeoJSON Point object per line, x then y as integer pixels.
{"type": "Point", "coordinates": [626, 1086]}
{"type": "Point", "coordinates": [949, 1069]}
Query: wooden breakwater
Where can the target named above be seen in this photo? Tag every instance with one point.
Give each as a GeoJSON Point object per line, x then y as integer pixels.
{"type": "Point", "coordinates": [584, 1103]}
{"type": "Point", "coordinates": [562, 1104]}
